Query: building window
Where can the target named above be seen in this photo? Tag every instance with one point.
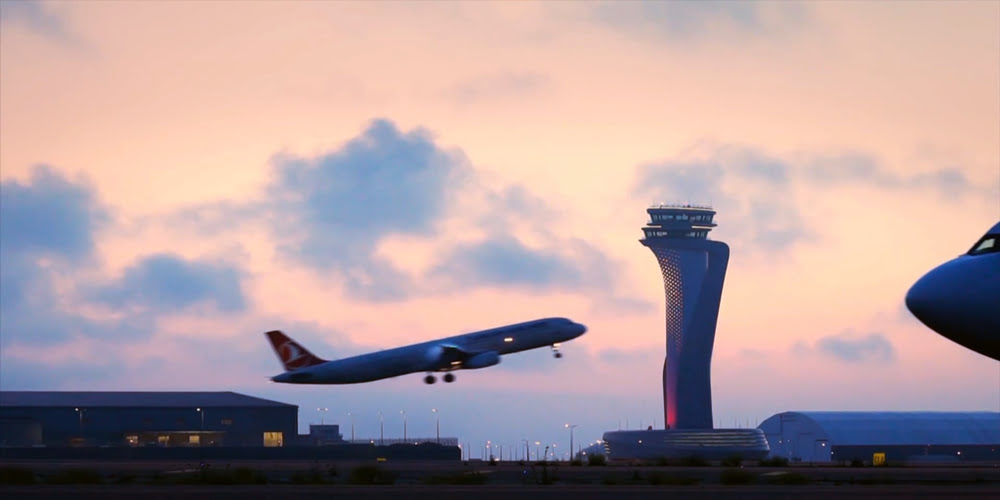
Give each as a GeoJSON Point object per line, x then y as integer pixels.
{"type": "Point", "coordinates": [163, 440]}
{"type": "Point", "coordinates": [194, 439]}
{"type": "Point", "coordinates": [273, 439]}
{"type": "Point", "coordinates": [227, 421]}
{"type": "Point", "coordinates": [132, 440]}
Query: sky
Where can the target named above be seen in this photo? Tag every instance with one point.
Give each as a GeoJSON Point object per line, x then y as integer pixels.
{"type": "Point", "coordinates": [177, 178]}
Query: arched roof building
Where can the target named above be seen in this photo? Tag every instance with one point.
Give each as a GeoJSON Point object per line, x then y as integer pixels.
{"type": "Point", "coordinates": [823, 436]}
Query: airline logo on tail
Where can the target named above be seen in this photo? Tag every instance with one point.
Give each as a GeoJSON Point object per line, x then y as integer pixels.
{"type": "Point", "coordinates": [292, 355]}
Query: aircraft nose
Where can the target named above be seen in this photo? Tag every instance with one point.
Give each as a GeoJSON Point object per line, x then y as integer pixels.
{"type": "Point", "coordinates": [576, 329]}
{"type": "Point", "coordinates": [934, 294]}
{"type": "Point", "coordinates": [921, 297]}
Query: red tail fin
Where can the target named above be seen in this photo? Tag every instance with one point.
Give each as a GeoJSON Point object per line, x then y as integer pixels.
{"type": "Point", "coordinates": [291, 354]}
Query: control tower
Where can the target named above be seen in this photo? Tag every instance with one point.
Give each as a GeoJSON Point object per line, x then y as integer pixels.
{"type": "Point", "coordinates": [693, 269]}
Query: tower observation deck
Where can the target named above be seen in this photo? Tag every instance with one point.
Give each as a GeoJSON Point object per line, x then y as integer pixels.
{"type": "Point", "coordinates": [693, 269]}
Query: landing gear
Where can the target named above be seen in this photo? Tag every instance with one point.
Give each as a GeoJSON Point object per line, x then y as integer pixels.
{"type": "Point", "coordinates": [448, 377]}
{"type": "Point", "coordinates": [430, 379]}
{"type": "Point", "coordinates": [555, 351]}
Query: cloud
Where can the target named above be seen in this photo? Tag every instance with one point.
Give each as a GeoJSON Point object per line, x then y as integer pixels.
{"type": "Point", "coordinates": [862, 169]}
{"type": "Point", "coordinates": [47, 232]}
{"type": "Point", "coordinates": [497, 86]}
{"type": "Point", "coordinates": [751, 190]}
{"type": "Point", "coordinates": [755, 192]}
{"type": "Point", "coordinates": [682, 20]}
{"type": "Point", "coordinates": [853, 349]}
{"type": "Point", "coordinates": [167, 283]}
{"type": "Point", "coordinates": [506, 261]}
{"type": "Point", "coordinates": [45, 225]}
{"type": "Point", "coordinates": [36, 16]}
{"type": "Point", "coordinates": [332, 210]}
{"type": "Point", "coordinates": [209, 219]}
{"type": "Point", "coordinates": [49, 216]}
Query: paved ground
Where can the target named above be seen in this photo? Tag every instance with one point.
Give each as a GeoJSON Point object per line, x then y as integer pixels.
{"type": "Point", "coordinates": [409, 479]}
{"type": "Point", "coordinates": [505, 492]}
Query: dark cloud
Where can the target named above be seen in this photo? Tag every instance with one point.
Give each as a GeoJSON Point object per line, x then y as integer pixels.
{"type": "Point", "coordinates": [167, 283]}
{"type": "Point", "coordinates": [687, 20]}
{"type": "Point", "coordinates": [48, 216]}
{"type": "Point", "coordinates": [851, 348]}
{"type": "Point", "coordinates": [47, 230]}
{"type": "Point", "coordinates": [46, 225]}
{"type": "Point", "coordinates": [332, 210]}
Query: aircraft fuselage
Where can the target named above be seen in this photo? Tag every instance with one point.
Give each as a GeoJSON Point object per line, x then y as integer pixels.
{"type": "Point", "coordinates": [468, 351]}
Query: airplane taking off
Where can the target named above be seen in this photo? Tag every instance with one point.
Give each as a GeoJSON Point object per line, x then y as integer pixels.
{"type": "Point", "coordinates": [461, 352]}
{"type": "Point", "coordinates": [960, 299]}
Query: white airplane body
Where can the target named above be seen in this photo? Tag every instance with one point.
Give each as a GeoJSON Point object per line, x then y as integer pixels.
{"type": "Point", "coordinates": [462, 352]}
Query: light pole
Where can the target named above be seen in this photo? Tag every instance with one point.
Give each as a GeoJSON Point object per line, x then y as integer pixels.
{"type": "Point", "coordinates": [537, 444]}
{"type": "Point", "coordinates": [437, 424]}
{"type": "Point", "coordinates": [570, 427]}
{"type": "Point", "coordinates": [322, 412]}
{"type": "Point", "coordinates": [201, 413]}
{"type": "Point", "coordinates": [349, 414]}
{"type": "Point", "coordinates": [404, 425]}
{"type": "Point", "coordinates": [381, 429]}
{"type": "Point", "coordinates": [80, 411]}
{"type": "Point", "coordinates": [527, 452]}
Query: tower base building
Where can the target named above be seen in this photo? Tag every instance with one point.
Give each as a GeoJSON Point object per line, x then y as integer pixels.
{"type": "Point", "coordinates": [707, 444]}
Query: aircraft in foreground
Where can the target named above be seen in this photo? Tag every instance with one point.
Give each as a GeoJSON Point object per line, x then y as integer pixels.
{"type": "Point", "coordinates": [960, 299]}
{"type": "Point", "coordinates": [461, 352]}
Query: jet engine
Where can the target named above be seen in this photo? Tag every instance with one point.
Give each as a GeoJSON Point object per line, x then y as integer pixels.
{"type": "Point", "coordinates": [482, 360]}
{"type": "Point", "coordinates": [435, 354]}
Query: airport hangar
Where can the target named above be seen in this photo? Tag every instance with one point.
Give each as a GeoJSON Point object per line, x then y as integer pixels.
{"type": "Point", "coordinates": [59, 419]}
{"type": "Point", "coordinates": [873, 437]}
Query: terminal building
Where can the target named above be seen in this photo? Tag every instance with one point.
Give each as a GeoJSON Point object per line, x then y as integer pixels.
{"type": "Point", "coordinates": [874, 437]}
{"type": "Point", "coordinates": [693, 269]}
{"type": "Point", "coordinates": [165, 419]}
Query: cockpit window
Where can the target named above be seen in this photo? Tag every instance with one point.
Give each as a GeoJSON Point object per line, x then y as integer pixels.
{"type": "Point", "coordinates": [988, 244]}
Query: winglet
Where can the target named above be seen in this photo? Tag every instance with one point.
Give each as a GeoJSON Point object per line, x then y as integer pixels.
{"type": "Point", "coordinates": [292, 355]}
